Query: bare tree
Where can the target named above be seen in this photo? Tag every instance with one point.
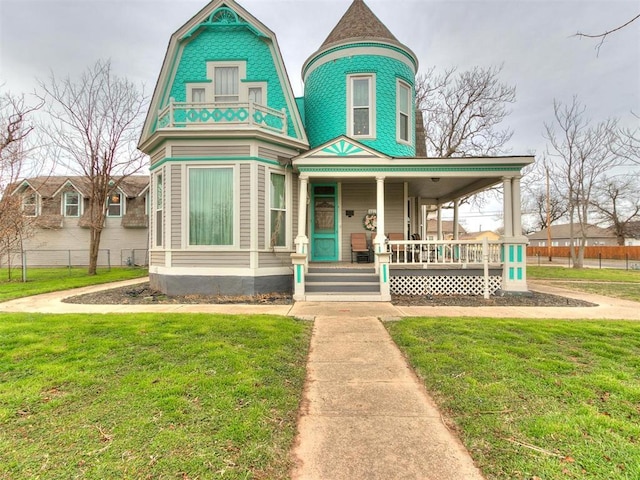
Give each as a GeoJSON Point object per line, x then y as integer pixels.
{"type": "Point", "coordinates": [15, 128]}
{"type": "Point", "coordinates": [617, 204]}
{"type": "Point", "coordinates": [95, 122]}
{"type": "Point", "coordinates": [604, 35]}
{"type": "Point", "coordinates": [582, 154]}
{"type": "Point", "coordinates": [462, 111]}
{"type": "Point", "coordinates": [541, 199]}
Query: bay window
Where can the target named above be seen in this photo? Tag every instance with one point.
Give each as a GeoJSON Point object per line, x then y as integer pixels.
{"type": "Point", "coordinates": [211, 201]}
{"type": "Point", "coordinates": [278, 210]}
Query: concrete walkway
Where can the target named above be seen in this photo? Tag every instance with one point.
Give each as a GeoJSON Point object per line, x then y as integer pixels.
{"type": "Point", "coordinates": [364, 413]}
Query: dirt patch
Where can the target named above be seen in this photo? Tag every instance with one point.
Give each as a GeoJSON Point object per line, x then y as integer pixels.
{"type": "Point", "coordinates": [142, 294]}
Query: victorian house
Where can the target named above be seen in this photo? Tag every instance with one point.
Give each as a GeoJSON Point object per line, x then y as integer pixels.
{"type": "Point", "coordinates": [327, 195]}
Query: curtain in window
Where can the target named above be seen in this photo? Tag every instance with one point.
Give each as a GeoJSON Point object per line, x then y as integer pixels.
{"type": "Point", "coordinates": [211, 206]}
{"type": "Point", "coordinates": [226, 82]}
{"type": "Point", "coordinates": [361, 104]}
{"type": "Point", "coordinates": [278, 210]}
{"type": "Point", "coordinates": [403, 107]}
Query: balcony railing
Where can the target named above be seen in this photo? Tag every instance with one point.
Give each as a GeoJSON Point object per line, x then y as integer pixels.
{"type": "Point", "coordinates": [249, 114]}
{"type": "Point", "coordinates": [460, 253]}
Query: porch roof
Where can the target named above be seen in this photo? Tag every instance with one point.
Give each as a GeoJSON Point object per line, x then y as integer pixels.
{"type": "Point", "coordinates": [439, 179]}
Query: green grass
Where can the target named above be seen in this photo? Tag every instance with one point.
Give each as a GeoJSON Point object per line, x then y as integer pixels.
{"type": "Point", "coordinates": [609, 282]}
{"type": "Point", "coordinates": [535, 399]}
{"type": "Point", "coordinates": [586, 274]}
{"type": "Point", "coordinates": [44, 280]}
{"type": "Point", "coordinates": [149, 396]}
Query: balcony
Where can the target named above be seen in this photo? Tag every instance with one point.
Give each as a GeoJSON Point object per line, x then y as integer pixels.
{"type": "Point", "coordinates": [222, 115]}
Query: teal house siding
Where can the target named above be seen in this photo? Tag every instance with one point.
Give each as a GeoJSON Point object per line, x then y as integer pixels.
{"type": "Point", "coordinates": [326, 101]}
{"type": "Point", "coordinates": [232, 44]}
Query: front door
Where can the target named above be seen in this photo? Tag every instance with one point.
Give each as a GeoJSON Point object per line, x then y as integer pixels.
{"type": "Point", "coordinates": [324, 223]}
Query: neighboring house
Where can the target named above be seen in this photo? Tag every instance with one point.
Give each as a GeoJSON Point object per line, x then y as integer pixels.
{"type": "Point", "coordinates": [446, 229]}
{"type": "Point", "coordinates": [59, 232]}
{"type": "Point", "coordinates": [633, 234]}
{"type": "Point", "coordinates": [252, 188]}
{"type": "Point", "coordinates": [479, 236]}
{"type": "Point", "coordinates": [561, 236]}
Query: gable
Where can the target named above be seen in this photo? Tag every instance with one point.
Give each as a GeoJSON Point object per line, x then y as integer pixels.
{"type": "Point", "coordinates": [342, 147]}
{"type": "Point", "coordinates": [224, 33]}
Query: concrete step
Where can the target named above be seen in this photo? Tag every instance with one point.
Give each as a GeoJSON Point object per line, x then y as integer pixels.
{"type": "Point", "coordinates": [343, 287]}
{"type": "Point", "coordinates": [336, 297]}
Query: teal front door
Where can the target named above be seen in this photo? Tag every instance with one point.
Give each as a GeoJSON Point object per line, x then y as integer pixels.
{"type": "Point", "coordinates": [324, 223]}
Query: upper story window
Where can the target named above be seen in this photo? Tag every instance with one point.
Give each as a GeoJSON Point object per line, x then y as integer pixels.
{"type": "Point", "coordinates": [198, 95]}
{"type": "Point", "coordinates": [255, 95]}
{"type": "Point", "coordinates": [114, 205]}
{"type": "Point", "coordinates": [30, 204]}
{"type": "Point", "coordinates": [71, 206]}
{"type": "Point", "coordinates": [361, 111]}
{"type": "Point", "coordinates": [226, 84]}
{"type": "Point", "coordinates": [403, 111]}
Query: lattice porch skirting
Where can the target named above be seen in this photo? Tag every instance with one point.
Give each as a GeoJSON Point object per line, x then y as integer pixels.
{"type": "Point", "coordinates": [443, 284]}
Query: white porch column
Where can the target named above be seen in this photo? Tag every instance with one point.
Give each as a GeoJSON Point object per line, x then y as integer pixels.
{"type": "Point", "coordinates": [301, 239]}
{"type": "Point", "coordinates": [378, 243]}
{"type": "Point", "coordinates": [507, 207]}
{"type": "Point", "coordinates": [516, 208]}
{"type": "Point", "coordinates": [456, 229]}
{"type": "Point", "coordinates": [438, 224]}
{"type": "Point", "coordinates": [514, 247]}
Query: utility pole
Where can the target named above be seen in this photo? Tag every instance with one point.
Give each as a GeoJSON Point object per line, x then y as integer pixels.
{"type": "Point", "coordinates": [546, 167]}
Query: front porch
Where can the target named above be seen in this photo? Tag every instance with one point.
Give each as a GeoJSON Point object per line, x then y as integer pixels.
{"type": "Point", "coordinates": [412, 267]}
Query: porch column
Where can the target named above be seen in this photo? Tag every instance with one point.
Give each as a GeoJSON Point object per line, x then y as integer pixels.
{"type": "Point", "coordinates": [507, 207]}
{"type": "Point", "coordinates": [514, 246]}
{"type": "Point", "coordinates": [456, 229]}
{"type": "Point", "coordinates": [378, 243]}
{"type": "Point", "coordinates": [302, 241]}
{"type": "Point", "coordinates": [439, 223]}
{"type": "Point", "coordinates": [516, 208]}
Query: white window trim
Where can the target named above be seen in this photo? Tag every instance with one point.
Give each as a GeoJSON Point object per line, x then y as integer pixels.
{"type": "Point", "coordinates": [242, 74]}
{"type": "Point", "coordinates": [244, 90]}
{"type": "Point", "coordinates": [158, 242]}
{"type": "Point", "coordinates": [236, 210]}
{"type": "Point", "coordinates": [399, 84]}
{"type": "Point", "coordinates": [64, 205]}
{"type": "Point", "coordinates": [122, 202]}
{"type": "Point", "coordinates": [372, 105]}
{"type": "Point", "coordinates": [288, 205]}
{"type": "Point", "coordinates": [35, 204]}
{"type": "Point", "coordinates": [208, 90]}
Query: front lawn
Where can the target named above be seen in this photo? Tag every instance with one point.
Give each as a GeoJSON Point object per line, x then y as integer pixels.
{"type": "Point", "coordinates": [45, 280]}
{"type": "Point", "coordinates": [149, 396]}
{"type": "Point", "coordinates": [607, 281]}
{"type": "Point", "coordinates": [535, 399]}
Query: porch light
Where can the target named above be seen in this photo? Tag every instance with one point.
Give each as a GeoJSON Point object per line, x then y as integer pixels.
{"type": "Point", "coordinates": [435, 179]}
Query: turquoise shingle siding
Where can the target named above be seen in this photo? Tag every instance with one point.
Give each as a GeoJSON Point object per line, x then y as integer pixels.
{"type": "Point", "coordinates": [326, 101]}
{"type": "Point", "coordinates": [233, 44]}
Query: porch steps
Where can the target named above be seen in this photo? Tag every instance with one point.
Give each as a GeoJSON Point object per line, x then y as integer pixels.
{"type": "Point", "coordinates": [342, 284]}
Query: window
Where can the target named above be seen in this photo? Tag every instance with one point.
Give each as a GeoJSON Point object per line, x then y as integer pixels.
{"type": "Point", "coordinates": [404, 100]}
{"type": "Point", "coordinates": [29, 205]}
{"type": "Point", "coordinates": [226, 84]}
{"type": "Point", "coordinates": [211, 206]}
{"type": "Point", "coordinates": [71, 204]}
{"type": "Point", "coordinates": [361, 115]}
{"type": "Point", "coordinates": [114, 205]}
{"type": "Point", "coordinates": [158, 210]}
{"type": "Point", "coordinates": [255, 95]}
{"type": "Point", "coordinates": [278, 230]}
{"type": "Point", "coordinates": [198, 95]}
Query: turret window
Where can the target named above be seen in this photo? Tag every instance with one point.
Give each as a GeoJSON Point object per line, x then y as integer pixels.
{"type": "Point", "coordinates": [403, 111]}
{"type": "Point", "coordinates": [361, 112]}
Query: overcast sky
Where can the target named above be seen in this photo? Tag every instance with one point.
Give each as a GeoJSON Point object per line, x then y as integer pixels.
{"type": "Point", "coordinates": [532, 39]}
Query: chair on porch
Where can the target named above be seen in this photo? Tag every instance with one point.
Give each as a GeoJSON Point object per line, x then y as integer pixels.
{"type": "Point", "coordinates": [360, 247]}
{"type": "Point", "coordinates": [421, 254]}
{"type": "Point", "coordinates": [396, 250]}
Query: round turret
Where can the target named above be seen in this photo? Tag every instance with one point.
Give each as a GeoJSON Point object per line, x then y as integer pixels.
{"type": "Point", "coordinates": [360, 83]}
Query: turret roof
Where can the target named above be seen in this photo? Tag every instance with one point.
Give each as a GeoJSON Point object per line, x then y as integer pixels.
{"type": "Point", "coordinates": [359, 23]}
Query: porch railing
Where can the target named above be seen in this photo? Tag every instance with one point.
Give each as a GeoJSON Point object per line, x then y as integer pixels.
{"type": "Point", "coordinates": [185, 114]}
{"type": "Point", "coordinates": [444, 252]}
